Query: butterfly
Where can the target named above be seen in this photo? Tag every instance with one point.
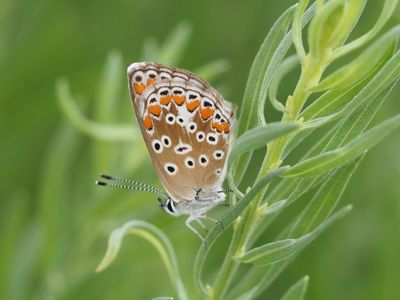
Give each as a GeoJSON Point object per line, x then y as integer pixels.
{"type": "Point", "coordinates": [188, 129]}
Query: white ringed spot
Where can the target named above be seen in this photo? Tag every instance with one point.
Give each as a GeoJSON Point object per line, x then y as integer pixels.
{"type": "Point", "coordinates": [189, 162]}
{"type": "Point", "coordinates": [157, 146]}
{"type": "Point", "coordinates": [200, 136]}
{"type": "Point", "coordinates": [171, 168]}
{"type": "Point", "coordinates": [166, 141]}
{"type": "Point", "coordinates": [170, 119]}
{"type": "Point", "coordinates": [203, 160]}
{"type": "Point", "coordinates": [192, 127]}
{"type": "Point", "coordinates": [218, 154]}
{"type": "Point", "coordinates": [212, 138]}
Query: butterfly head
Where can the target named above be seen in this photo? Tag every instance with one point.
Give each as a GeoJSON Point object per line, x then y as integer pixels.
{"type": "Point", "coordinates": [170, 206]}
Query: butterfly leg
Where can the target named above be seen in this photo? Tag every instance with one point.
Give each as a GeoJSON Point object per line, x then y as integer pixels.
{"type": "Point", "coordinates": [188, 224]}
{"type": "Point", "coordinates": [202, 224]}
{"type": "Point", "coordinates": [217, 222]}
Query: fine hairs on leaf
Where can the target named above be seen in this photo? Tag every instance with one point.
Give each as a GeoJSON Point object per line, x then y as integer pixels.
{"type": "Point", "coordinates": [346, 101]}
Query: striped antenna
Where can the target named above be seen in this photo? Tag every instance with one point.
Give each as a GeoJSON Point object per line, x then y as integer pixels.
{"type": "Point", "coordinates": [141, 184]}
{"type": "Point", "coordinates": [137, 186]}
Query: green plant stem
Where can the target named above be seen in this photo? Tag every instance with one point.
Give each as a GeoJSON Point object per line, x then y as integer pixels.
{"type": "Point", "coordinates": [311, 74]}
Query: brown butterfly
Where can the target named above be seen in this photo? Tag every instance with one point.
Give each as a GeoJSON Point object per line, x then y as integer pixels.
{"type": "Point", "coordinates": [188, 129]}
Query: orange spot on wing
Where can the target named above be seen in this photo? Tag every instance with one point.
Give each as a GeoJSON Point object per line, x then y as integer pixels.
{"type": "Point", "coordinates": [148, 124]}
{"type": "Point", "coordinates": [179, 99]}
{"type": "Point", "coordinates": [217, 126]}
{"type": "Point", "coordinates": [226, 127]}
{"type": "Point", "coordinates": [139, 88]}
{"type": "Point", "coordinates": [150, 82]}
{"type": "Point", "coordinates": [165, 100]}
{"type": "Point", "coordinates": [191, 106]}
{"type": "Point", "coordinates": [154, 110]}
{"type": "Point", "coordinates": [206, 113]}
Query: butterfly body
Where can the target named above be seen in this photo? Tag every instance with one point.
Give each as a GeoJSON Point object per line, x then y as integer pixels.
{"type": "Point", "coordinates": [187, 127]}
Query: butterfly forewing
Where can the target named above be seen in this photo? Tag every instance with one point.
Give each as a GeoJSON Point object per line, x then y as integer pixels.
{"type": "Point", "coordinates": [186, 125]}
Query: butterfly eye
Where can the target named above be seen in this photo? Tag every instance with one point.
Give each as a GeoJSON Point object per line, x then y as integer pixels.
{"type": "Point", "coordinates": [157, 146]}
{"type": "Point", "coordinates": [170, 206]}
{"type": "Point", "coordinates": [203, 160]}
{"type": "Point", "coordinates": [200, 136]}
{"type": "Point", "coordinates": [212, 138]}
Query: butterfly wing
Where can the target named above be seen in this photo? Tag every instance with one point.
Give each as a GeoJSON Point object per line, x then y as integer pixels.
{"type": "Point", "coordinates": [186, 125]}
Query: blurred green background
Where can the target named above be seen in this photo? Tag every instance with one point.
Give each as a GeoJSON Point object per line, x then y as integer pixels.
{"type": "Point", "coordinates": [55, 223]}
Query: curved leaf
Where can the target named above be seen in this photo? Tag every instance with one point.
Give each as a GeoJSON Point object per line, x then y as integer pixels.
{"type": "Point", "coordinates": [157, 239]}
{"type": "Point", "coordinates": [298, 290]}
{"type": "Point", "coordinates": [364, 64]}
{"type": "Point", "coordinates": [280, 250]}
{"type": "Point", "coordinates": [259, 137]}
{"type": "Point", "coordinates": [332, 159]}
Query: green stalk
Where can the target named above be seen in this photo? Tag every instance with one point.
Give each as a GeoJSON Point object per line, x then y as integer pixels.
{"type": "Point", "coordinates": [311, 74]}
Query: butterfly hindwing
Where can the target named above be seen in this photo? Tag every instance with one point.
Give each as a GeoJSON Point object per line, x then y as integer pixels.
{"type": "Point", "coordinates": [186, 125]}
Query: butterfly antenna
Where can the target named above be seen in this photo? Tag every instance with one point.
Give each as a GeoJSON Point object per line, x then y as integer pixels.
{"type": "Point", "coordinates": [137, 183]}
{"type": "Point", "coordinates": [128, 187]}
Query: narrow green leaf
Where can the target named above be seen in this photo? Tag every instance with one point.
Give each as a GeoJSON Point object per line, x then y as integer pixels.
{"type": "Point", "coordinates": [352, 12]}
{"type": "Point", "coordinates": [259, 137]}
{"type": "Point", "coordinates": [296, 29]}
{"type": "Point", "coordinates": [54, 194]}
{"type": "Point", "coordinates": [332, 159]}
{"type": "Point", "coordinates": [109, 88]}
{"type": "Point", "coordinates": [274, 208]}
{"type": "Point", "coordinates": [286, 66]}
{"type": "Point", "coordinates": [272, 69]}
{"type": "Point", "coordinates": [363, 65]}
{"type": "Point", "coordinates": [324, 200]}
{"type": "Point", "coordinates": [13, 215]}
{"type": "Point", "coordinates": [105, 108]}
{"type": "Point", "coordinates": [276, 251]}
{"type": "Point", "coordinates": [298, 290]}
{"type": "Point", "coordinates": [94, 129]}
{"type": "Point", "coordinates": [321, 33]}
{"type": "Point", "coordinates": [387, 11]}
{"type": "Point", "coordinates": [248, 119]}
{"type": "Point", "coordinates": [212, 70]}
{"type": "Point", "coordinates": [172, 50]}
{"type": "Point", "coordinates": [157, 238]}
{"type": "Point", "coordinates": [226, 221]}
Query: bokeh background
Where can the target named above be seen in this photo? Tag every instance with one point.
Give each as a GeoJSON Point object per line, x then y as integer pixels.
{"type": "Point", "coordinates": [54, 223]}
